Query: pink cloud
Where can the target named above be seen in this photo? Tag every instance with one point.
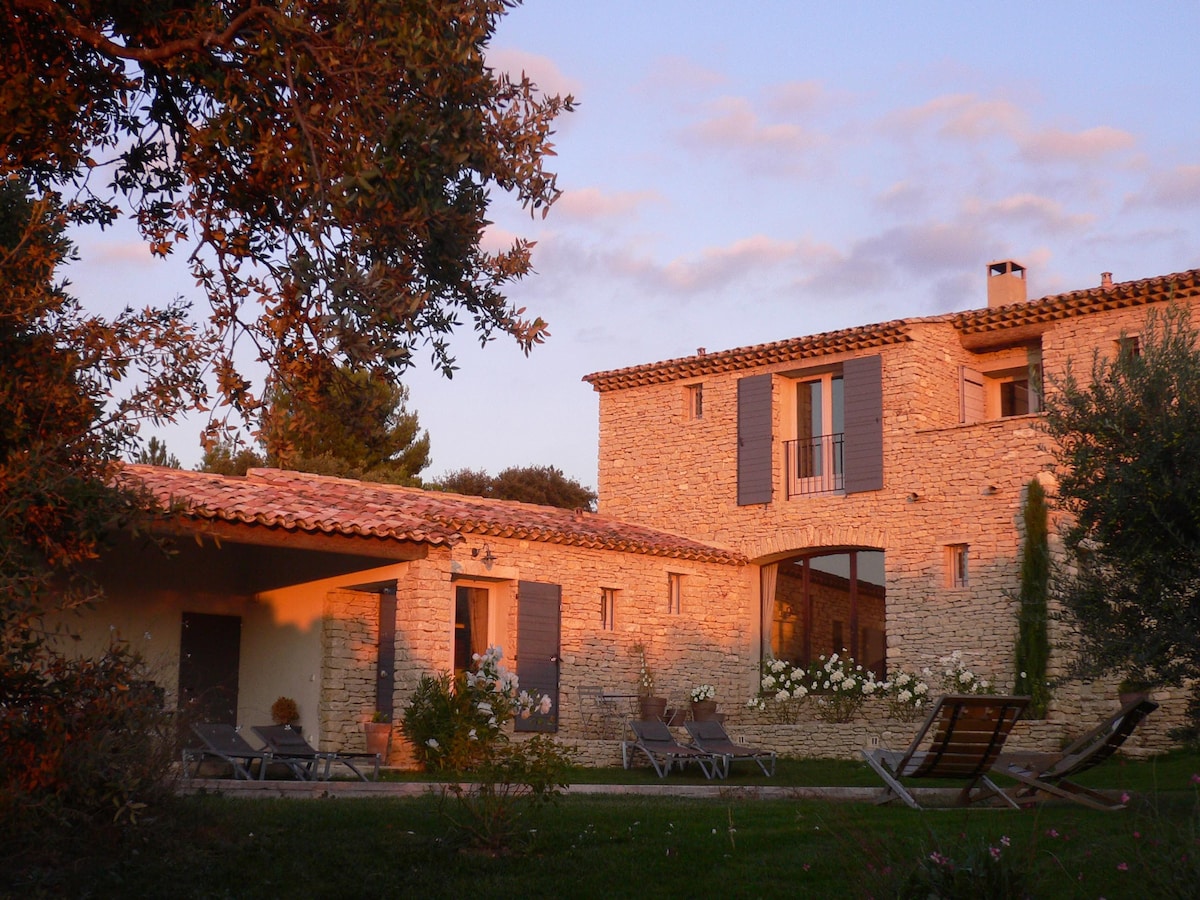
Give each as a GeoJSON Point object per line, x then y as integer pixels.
{"type": "Point", "coordinates": [718, 266]}
{"type": "Point", "coordinates": [797, 97]}
{"type": "Point", "coordinates": [1177, 189]}
{"type": "Point", "coordinates": [1030, 209]}
{"type": "Point", "coordinates": [592, 203]}
{"type": "Point", "coordinates": [733, 123]}
{"type": "Point", "coordinates": [1054, 145]}
{"type": "Point", "coordinates": [676, 76]}
{"type": "Point", "coordinates": [962, 116]}
{"type": "Point", "coordinates": [543, 70]}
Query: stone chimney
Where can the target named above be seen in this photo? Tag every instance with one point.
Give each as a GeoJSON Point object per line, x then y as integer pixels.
{"type": "Point", "coordinates": [1106, 281]}
{"type": "Point", "coordinates": [1006, 283]}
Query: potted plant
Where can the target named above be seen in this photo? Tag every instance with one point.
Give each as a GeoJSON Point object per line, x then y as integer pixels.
{"type": "Point", "coordinates": [379, 733]}
{"type": "Point", "coordinates": [650, 706]}
{"type": "Point", "coordinates": [704, 704]}
{"type": "Point", "coordinates": [284, 711]}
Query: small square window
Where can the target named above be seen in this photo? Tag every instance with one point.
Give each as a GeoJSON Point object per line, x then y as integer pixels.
{"type": "Point", "coordinates": [674, 592]}
{"type": "Point", "coordinates": [958, 558]}
{"type": "Point", "coordinates": [1128, 346]}
{"type": "Point", "coordinates": [608, 608]}
{"type": "Point", "coordinates": [695, 401]}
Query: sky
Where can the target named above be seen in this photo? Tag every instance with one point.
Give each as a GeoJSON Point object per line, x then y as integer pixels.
{"type": "Point", "coordinates": [739, 173]}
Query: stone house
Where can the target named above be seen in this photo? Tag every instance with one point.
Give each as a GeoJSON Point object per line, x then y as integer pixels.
{"type": "Point", "coordinates": [874, 478]}
{"type": "Point", "coordinates": [858, 491]}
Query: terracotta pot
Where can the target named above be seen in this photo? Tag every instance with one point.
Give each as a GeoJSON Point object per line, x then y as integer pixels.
{"type": "Point", "coordinates": [704, 710]}
{"type": "Point", "coordinates": [652, 707]}
{"type": "Point", "coordinates": [378, 736]}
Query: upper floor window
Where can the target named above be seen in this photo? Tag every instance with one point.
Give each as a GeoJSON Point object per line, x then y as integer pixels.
{"type": "Point", "coordinates": [674, 592]}
{"type": "Point", "coordinates": [608, 608]}
{"type": "Point", "coordinates": [958, 565]}
{"type": "Point", "coordinates": [695, 401]}
{"type": "Point", "coordinates": [1128, 346]}
{"type": "Point", "coordinates": [1010, 385]}
{"type": "Point", "coordinates": [814, 462]}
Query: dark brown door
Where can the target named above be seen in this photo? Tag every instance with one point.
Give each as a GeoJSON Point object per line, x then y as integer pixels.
{"type": "Point", "coordinates": [209, 654]}
{"type": "Point", "coordinates": [538, 607]}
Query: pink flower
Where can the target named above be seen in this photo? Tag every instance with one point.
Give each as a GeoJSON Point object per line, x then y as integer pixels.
{"type": "Point", "coordinates": [995, 851]}
{"type": "Point", "coordinates": [1050, 832]}
{"type": "Point", "coordinates": [1196, 778]}
{"type": "Point", "coordinates": [1125, 798]}
{"type": "Point", "coordinates": [1122, 867]}
{"type": "Point", "coordinates": [1004, 841]}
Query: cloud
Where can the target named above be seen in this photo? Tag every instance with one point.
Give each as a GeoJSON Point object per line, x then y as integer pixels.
{"type": "Point", "coordinates": [732, 124]}
{"type": "Point", "coordinates": [1090, 145]}
{"type": "Point", "coordinates": [1029, 210]}
{"type": "Point", "coordinates": [962, 116]}
{"type": "Point", "coordinates": [544, 72]}
{"type": "Point", "coordinates": [718, 266]}
{"type": "Point", "coordinates": [797, 98]}
{"type": "Point", "coordinates": [588, 204]}
{"type": "Point", "coordinates": [1178, 189]}
{"type": "Point", "coordinates": [678, 77]}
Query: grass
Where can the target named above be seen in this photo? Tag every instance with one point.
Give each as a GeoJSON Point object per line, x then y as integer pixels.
{"type": "Point", "coordinates": [627, 846]}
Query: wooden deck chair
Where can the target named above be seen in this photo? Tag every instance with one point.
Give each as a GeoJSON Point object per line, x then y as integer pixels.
{"type": "Point", "coordinates": [225, 743]}
{"type": "Point", "coordinates": [654, 739]}
{"type": "Point", "coordinates": [289, 747]}
{"type": "Point", "coordinates": [711, 737]}
{"type": "Point", "coordinates": [961, 740]}
{"type": "Point", "coordinates": [1051, 773]}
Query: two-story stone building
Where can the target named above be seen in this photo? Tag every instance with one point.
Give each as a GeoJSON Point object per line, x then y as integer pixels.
{"type": "Point", "coordinates": [860, 489]}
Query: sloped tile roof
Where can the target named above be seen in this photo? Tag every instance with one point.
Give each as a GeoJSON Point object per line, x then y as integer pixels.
{"type": "Point", "coordinates": [316, 504]}
{"type": "Point", "coordinates": [1182, 285]}
{"type": "Point", "coordinates": [791, 350]}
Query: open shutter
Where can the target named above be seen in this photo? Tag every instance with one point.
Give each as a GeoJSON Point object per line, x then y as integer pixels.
{"type": "Point", "coordinates": [863, 451]}
{"type": "Point", "coordinates": [756, 476]}
{"type": "Point", "coordinates": [538, 622]}
{"type": "Point", "coordinates": [971, 403]}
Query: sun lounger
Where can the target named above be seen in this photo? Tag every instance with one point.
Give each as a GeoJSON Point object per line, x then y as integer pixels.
{"type": "Point", "coordinates": [654, 739]}
{"type": "Point", "coordinates": [961, 740]}
{"type": "Point", "coordinates": [289, 747]}
{"type": "Point", "coordinates": [711, 737]}
{"type": "Point", "coordinates": [1052, 773]}
{"type": "Point", "coordinates": [225, 743]}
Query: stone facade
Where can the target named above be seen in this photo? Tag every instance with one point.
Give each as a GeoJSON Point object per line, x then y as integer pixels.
{"type": "Point", "coordinates": [946, 482]}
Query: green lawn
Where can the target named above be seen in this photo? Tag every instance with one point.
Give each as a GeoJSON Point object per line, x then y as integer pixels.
{"type": "Point", "coordinates": [628, 846]}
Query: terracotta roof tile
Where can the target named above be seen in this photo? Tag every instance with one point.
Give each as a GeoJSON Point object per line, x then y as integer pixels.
{"type": "Point", "coordinates": [296, 501]}
{"type": "Point", "coordinates": [791, 350]}
{"type": "Point", "coordinates": [1181, 285]}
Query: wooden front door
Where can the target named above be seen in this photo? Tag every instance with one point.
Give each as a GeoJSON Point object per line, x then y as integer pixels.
{"type": "Point", "coordinates": [538, 621]}
{"type": "Point", "coordinates": [209, 655]}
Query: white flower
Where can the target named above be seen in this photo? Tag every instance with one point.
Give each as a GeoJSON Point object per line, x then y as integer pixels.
{"type": "Point", "coordinates": [904, 696]}
{"type": "Point", "coordinates": [965, 676]}
{"type": "Point", "coordinates": [545, 704]}
{"type": "Point", "coordinates": [782, 696]}
{"type": "Point", "coordinates": [432, 744]}
{"type": "Point", "coordinates": [799, 692]}
{"type": "Point", "coordinates": [768, 682]}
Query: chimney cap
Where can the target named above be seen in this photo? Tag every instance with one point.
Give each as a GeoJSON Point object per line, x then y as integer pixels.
{"type": "Point", "coordinates": [1106, 281]}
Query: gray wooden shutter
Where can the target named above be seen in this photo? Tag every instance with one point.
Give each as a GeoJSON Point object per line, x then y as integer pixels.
{"type": "Point", "coordinates": [863, 452]}
{"type": "Point", "coordinates": [538, 623]}
{"type": "Point", "coordinates": [971, 397]}
{"type": "Point", "coordinates": [755, 470]}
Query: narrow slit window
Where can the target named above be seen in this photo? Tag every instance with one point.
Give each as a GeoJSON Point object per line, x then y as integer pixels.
{"type": "Point", "coordinates": [608, 608]}
{"type": "Point", "coordinates": [958, 559]}
{"type": "Point", "coordinates": [674, 592]}
{"type": "Point", "coordinates": [695, 401]}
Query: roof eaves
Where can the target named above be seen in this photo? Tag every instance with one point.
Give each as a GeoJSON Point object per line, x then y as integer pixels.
{"type": "Point", "coordinates": [740, 358]}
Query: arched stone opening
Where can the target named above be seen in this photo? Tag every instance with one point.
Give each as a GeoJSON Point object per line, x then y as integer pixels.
{"type": "Point", "coordinates": [823, 601]}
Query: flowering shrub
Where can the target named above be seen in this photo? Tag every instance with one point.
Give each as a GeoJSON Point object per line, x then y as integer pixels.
{"type": "Point", "coordinates": [835, 687]}
{"type": "Point", "coordinates": [782, 689]}
{"type": "Point", "coordinates": [703, 692]}
{"type": "Point", "coordinates": [906, 694]}
{"type": "Point", "coordinates": [839, 687]}
{"type": "Point", "coordinates": [455, 722]}
{"type": "Point", "coordinates": [956, 678]}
